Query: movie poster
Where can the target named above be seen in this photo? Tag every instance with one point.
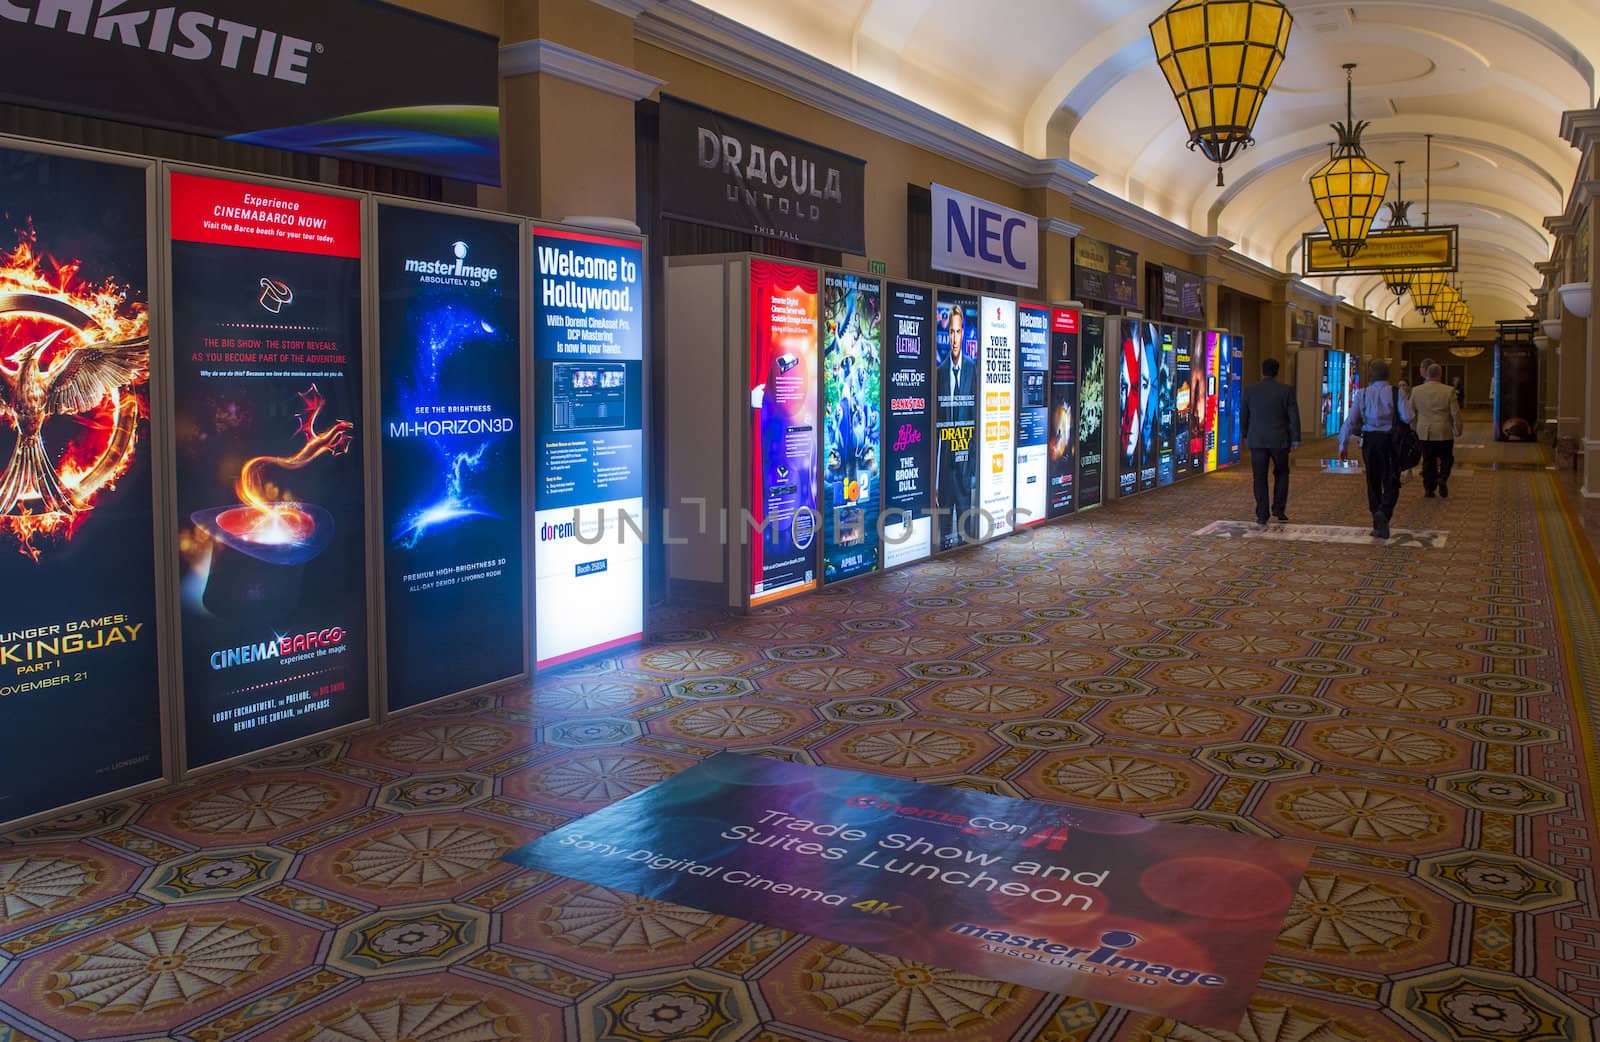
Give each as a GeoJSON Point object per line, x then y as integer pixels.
{"type": "Point", "coordinates": [1188, 400]}
{"type": "Point", "coordinates": [997, 405]}
{"type": "Point", "coordinates": [79, 698]}
{"type": "Point", "coordinates": [1166, 409]}
{"type": "Point", "coordinates": [1033, 414]}
{"type": "Point", "coordinates": [1091, 409]}
{"type": "Point", "coordinates": [1064, 419]}
{"type": "Point", "coordinates": [1133, 400]}
{"type": "Point", "coordinates": [852, 448]}
{"type": "Point", "coordinates": [449, 338]}
{"type": "Point", "coordinates": [955, 476]}
{"type": "Point", "coordinates": [1235, 395]}
{"type": "Point", "coordinates": [1207, 367]}
{"type": "Point", "coordinates": [1333, 391]}
{"type": "Point", "coordinates": [1516, 391]}
{"type": "Point", "coordinates": [266, 328]}
{"type": "Point", "coordinates": [588, 378]}
{"type": "Point", "coordinates": [783, 429]}
{"type": "Point", "coordinates": [908, 492]}
{"type": "Point", "coordinates": [1150, 417]}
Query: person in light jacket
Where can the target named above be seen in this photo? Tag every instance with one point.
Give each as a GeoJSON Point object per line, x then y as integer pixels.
{"type": "Point", "coordinates": [1438, 426]}
{"type": "Point", "coordinates": [1373, 417]}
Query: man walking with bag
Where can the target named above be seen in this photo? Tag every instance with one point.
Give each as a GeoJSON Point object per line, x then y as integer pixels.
{"type": "Point", "coordinates": [1270, 423]}
{"type": "Point", "coordinates": [1438, 412]}
{"type": "Point", "coordinates": [1381, 416]}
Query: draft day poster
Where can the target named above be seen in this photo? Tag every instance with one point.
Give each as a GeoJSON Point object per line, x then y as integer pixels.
{"type": "Point", "coordinates": [783, 429]}
{"type": "Point", "coordinates": [955, 380]}
{"type": "Point", "coordinates": [450, 376]}
{"type": "Point", "coordinates": [997, 406]}
{"type": "Point", "coordinates": [78, 640]}
{"type": "Point", "coordinates": [1065, 331]}
{"type": "Point", "coordinates": [1172, 919]}
{"type": "Point", "coordinates": [852, 370]}
{"type": "Point", "coordinates": [908, 436]}
{"type": "Point", "coordinates": [1033, 414]}
{"type": "Point", "coordinates": [1166, 391]}
{"type": "Point", "coordinates": [266, 332]}
{"type": "Point", "coordinates": [588, 347]}
{"type": "Point", "coordinates": [1091, 408]}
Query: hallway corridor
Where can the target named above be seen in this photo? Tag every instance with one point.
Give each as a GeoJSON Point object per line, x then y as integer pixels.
{"type": "Point", "coordinates": [1418, 715]}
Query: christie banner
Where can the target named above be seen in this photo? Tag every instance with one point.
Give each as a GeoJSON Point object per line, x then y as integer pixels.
{"type": "Point", "coordinates": [266, 332]}
{"type": "Point", "coordinates": [1091, 408]}
{"type": "Point", "coordinates": [588, 350]}
{"type": "Point", "coordinates": [1033, 414]}
{"type": "Point", "coordinates": [908, 436]}
{"type": "Point", "coordinates": [852, 447]}
{"type": "Point", "coordinates": [783, 429]}
{"type": "Point", "coordinates": [79, 698]}
{"type": "Point", "coordinates": [1176, 920]}
{"type": "Point", "coordinates": [955, 382]}
{"type": "Point", "coordinates": [450, 377]}
{"type": "Point", "coordinates": [997, 409]}
{"type": "Point", "coordinates": [360, 80]}
{"type": "Point", "coordinates": [1065, 333]}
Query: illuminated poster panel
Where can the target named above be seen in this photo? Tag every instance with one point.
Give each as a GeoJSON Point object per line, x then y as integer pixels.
{"type": "Point", "coordinates": [1033, 414]}
{"type": "Point", "coordinates": [1150, 415]}
{"type": "Point", "coordinates": [1332, 406]}
{"type": "Point", "coordinates": [955, 381]}
{"type": "Point", "coordinates": [1133, 407]}
{"type": "Point", "coordinates": [1091, 409]}
{"type": "Point", "coordinates": [266, 326]}
{"type": "Point", "coordinates": [1166, 391]}
{"type": "Point", "coordinates": [1211, 341]}
{"type": "Point", "coordinates": [1189, 397]}
{"type": "Point", "coordinates": [998, 406]}
{"type": "Point", "coordinates": [450, 372]}
{"type": "Point", "coordinates": [1235, 396]}
{"type": "Point", "coordinates": [852, 452]}
{"type": "Point", "coordinates": [908, 436]}
{"type": "Point", "coordinates": [79, 700]}
{"type": "Point", "coordinates": [783, 429]}
{"type": "Point", "coordinates": [588, 347]}
{"type": "Point", "coordinates": [1064, 419]}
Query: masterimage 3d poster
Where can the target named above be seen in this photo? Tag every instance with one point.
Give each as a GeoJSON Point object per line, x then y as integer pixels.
{"type": "Point", "coordinates": [588, 348]}
{"type": "Point", "coordinates": [1065, 333]}
{"type": "Point", "coordinates": [450, 371]}
{"type": "Point", "coordinates": [852, 452]}
{"type": "Point", "coordinates": [1166, 391]}
{"type": "Point", "coordinates": [1172, 919]}
{"type": "Point", "coordinates": [1033, 414]}
{"type": "Point", "coordinates": [266, 329]}
{"type": "Point", "coordinates": [783, 429]}
{"type": "Point", "coordinates": [997, 420]}
{"type": "Point", "coordinates": [1091, 409]}
{"type": "Point", "coordinates": [79, 699]}
{"type": "Point", "coordinates": [908, 437]}
{"type": "Point", "coordinates": [955, 379]}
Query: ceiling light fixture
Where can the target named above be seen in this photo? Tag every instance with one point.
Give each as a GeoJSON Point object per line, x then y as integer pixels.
{"type": "Point", "coordinates": [1398, 281]}
{"type": "Point", "coordinates": [1349, 187]}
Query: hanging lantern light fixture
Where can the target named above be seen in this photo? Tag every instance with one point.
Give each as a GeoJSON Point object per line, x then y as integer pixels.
{"type": "Point", "coordinates": [1399, 281]}
{"type": "Point", "coordinates": [1425, 285]}
{"type": "Point", "coordinates": [1349, 187]}
{"type": "Point", "coordinates": [1443, 303]}
{"type": "Point", "coordinates": [1220, 58]}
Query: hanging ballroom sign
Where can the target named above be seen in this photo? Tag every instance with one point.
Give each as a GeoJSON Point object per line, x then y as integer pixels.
{"type": "Point", "coordinates": [1402, 249]}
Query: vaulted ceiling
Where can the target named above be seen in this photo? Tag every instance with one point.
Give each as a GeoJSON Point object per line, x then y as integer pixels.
{"type": "Point", "coordinates": [1077, 79]}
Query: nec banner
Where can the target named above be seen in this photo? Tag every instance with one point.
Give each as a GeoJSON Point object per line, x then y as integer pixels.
{"type": "Point", "coordinates": [1091, 409]}
{"type": "Point", "coordinates": [79, 695]}
{"type": "Point", "coordinates": [973, 236]}
{"type": "Point", "coordinates": [588, 349]}
{"type": "Point", "coordinates": [271, 540]}
{"type": "Point", "coordinates": [852, 369]}
{"type": "Point", "coordinates": [722, 171]}
{"type": "Point", "coordinates": [783, 429]}
{"type": "Point", "coordinates": [1033, 402]}
{"type": "Point", "coordinates": [451, 408]}
{"type": "Point", "coordinates": [1065, 325]}
{"type": "Point", "coordinates": [359, 80]}
{"type": "Point", "coordinates": [1176, 920]}
{"type": "Point", "coordinates": [955, 381]}
{"type": "Point", "coordinates": [908, 431]}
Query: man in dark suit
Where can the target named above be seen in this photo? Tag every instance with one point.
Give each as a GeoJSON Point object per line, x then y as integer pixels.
{"type": "Point", "coordinates": [1271, 425]}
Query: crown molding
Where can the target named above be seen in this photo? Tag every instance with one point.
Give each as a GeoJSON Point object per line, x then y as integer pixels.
{"type": "Point", "coordinates": [564, 63]}
{"type": "Point", "coordinates": [1581, 128]}
{"type": "Point", "coordinates": [1057, 226]}
{"type": "Point", "coordinates": [631, 8]}
{"type": "Point", "coordinates": [1312, 293]}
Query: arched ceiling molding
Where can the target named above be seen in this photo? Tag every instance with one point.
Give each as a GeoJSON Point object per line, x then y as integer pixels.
{"type": "Point", "coordinates": [879, 22]}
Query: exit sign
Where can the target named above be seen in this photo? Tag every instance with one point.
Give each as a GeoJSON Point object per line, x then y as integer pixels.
{"type": "Point", "coordinates": [878, 267]}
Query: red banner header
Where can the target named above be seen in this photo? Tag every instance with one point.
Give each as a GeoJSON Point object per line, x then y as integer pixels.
{"type": "Point", "coordinates": [264, 217]}
{"type": "Point", "coordinates": [1064, 320]}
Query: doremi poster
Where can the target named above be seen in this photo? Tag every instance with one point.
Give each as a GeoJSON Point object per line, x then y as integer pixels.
{"type": "Point", "coordinates": [1173, 919]}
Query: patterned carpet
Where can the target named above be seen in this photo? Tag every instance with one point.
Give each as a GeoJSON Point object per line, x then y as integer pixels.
{"type": "Point", "coordinates": [1416, 714]}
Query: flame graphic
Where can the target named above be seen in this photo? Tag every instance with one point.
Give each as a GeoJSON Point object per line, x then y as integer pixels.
{"type": "Point", "coordinates": [103, 447]}
{"type": "Point", "coordinates": [265, 518]}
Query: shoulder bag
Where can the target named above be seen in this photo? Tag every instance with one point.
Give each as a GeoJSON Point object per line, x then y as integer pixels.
{"type": "Point", "coordinates": [1407, 446]}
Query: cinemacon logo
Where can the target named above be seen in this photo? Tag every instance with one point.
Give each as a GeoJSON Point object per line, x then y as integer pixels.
{"type": "Point", "coordinates": [188, 34]}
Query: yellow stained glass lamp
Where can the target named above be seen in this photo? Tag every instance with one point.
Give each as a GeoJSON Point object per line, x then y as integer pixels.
{"type": "Point", "coordinates": [1425, 288]}
{"type": "Point", "coordinates": [1349, 187]}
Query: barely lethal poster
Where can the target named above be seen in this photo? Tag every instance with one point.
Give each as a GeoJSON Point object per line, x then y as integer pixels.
{"type": "Point", "coordinates": [266, 328]}
{"type": "Point", "coordinates": [956, 387]}
{"type": "Point", "coordinates": [908, 435]}
{"type": "Point", "coordinates": [79, 690]}
{"type": "Point", "coordinates": [852, 370]}
{"type": "Point", "coordinates": [1173, 919]}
